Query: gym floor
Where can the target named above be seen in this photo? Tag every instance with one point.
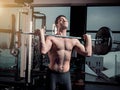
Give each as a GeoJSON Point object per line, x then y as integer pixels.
{"type": "Point", "coordinates": [91, 86]}
{"type": "Point", "coordinates": [86, 87]}
{"type": "Point", "coordinates": [7, 83]}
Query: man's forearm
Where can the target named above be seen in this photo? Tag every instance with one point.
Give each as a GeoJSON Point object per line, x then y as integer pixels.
{"type": "Point", "coordinates": [42, 41]}
{"type": "Point", "coordinates": [88, 45]}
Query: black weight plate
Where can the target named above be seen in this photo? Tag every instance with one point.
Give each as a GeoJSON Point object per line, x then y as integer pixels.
{"type": "Point", "coordinates": [103, 43]}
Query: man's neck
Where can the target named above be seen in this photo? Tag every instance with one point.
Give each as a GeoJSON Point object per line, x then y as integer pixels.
{"type": "Point", "coordinates": [62, 33]}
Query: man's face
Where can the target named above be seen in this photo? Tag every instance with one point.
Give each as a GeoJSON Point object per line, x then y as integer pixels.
{"type": "Point", "coordinates": [63, 23]}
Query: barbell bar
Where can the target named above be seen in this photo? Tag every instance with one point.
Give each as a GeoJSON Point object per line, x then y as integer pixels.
{"type": "Point", "coordinates": [59, 36]}
{"type": "Point", "coordinates": [102, 42]}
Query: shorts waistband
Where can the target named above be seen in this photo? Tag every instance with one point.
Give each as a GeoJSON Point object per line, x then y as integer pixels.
{"type": "Point", "coordinates": [53, 71]}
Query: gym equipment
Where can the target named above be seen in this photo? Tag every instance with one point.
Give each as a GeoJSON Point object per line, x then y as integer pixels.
{"type": "Point", "coordinates": [104, 46]}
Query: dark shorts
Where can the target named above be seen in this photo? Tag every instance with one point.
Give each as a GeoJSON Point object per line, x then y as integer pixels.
{"type": "Point", "coordinates": [57, 80]}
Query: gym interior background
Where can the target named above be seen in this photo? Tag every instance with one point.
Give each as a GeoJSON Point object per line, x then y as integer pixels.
{"type": "Point", "coordinates": [82, 19]}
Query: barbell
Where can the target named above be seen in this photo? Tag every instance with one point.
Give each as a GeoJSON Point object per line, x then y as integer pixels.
{"type": "Point", "coordinates": [103, 40]}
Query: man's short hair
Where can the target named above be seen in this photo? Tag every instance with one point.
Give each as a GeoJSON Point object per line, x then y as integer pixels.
{"type": "Point", "coordinates": [57, 18]}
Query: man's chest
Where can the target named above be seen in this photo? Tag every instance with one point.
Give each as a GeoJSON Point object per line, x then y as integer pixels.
{"type": "Point", "coordinates": [63, 44]}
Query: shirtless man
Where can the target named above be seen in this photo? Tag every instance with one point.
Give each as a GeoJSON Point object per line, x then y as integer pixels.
{"type": "Point", "coordinates": [59, 51]}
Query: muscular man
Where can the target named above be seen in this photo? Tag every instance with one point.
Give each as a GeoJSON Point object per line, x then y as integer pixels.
{"type": "Point", "coordinates": [59, 51]}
